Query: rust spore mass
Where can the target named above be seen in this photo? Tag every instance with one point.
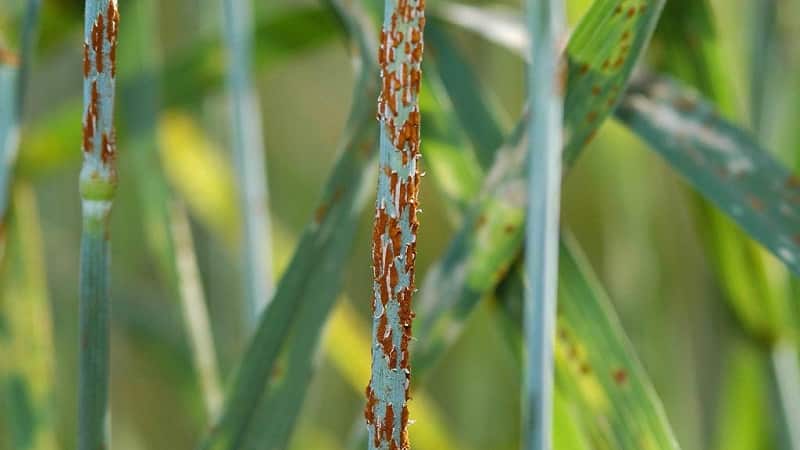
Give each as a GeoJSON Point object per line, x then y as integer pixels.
{"type": "Point", "coordinates": [620, 376]}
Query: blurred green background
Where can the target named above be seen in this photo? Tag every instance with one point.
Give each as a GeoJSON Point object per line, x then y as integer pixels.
{"type": "Point", "coordinates": [637, 221]}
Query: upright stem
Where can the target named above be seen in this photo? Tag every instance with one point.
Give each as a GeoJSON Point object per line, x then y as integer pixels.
{"type": "Point", "coordinates": [13, 85]}
{"type": "Point", "coordinates": [546, 90]}
{"type": "Point", "coordinates": [98, 181]}
{"type": "Point", "coordinates": [248, 147]}
{"type": "Point", "coordinates": [395, 233]}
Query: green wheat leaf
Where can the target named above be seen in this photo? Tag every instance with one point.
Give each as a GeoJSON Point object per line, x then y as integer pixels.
{"type": "Point", "coordinates": [721, 161]}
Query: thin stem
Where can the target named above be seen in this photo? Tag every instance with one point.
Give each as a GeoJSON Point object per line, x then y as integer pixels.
{"type": "Point", "coordinates": [546, 23]}
{"type": "Point", "coordinates": [786, 370]}
{"type": "Point", "coordinates": [395, 232]}
{"type": "Point", "coordinates": [195, 314]}
{"type": "Point", "coordinates": [93, 420]}
{"type": "Point", "coordinates": [98, 181]}
{"type": "Point", "coordinates": [248, 147]}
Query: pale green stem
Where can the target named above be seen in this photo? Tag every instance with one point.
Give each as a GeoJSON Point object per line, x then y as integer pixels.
{"type": "Point", "coordinates": [248, 148]}
{"type": "Point", "coordinates": [195, 314]}
{"type": "Point", "coordinates": [545, 144]}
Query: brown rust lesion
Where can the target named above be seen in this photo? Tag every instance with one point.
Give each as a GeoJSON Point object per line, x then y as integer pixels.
{"type": "Point", "coordinates": [8, 58]}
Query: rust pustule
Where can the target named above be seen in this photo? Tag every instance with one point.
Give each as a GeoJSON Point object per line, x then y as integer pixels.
{"type": "Point", "coordinates": [620, 376]}
{"type": "Point", "coordinates": [112, 33]}
{"type": "Point", "coordinates": [98, 29]}
{"type": "Point", "coordinates": [8, 58]}
{"type": "Point", "coordinates": [87, 63]}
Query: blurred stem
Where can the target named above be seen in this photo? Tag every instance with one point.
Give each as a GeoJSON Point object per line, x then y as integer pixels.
{"type": "Point", "coordinates": [195, 315]}
{"type": "Point", "coordinates": [13, 85]}
{"type": "Point", "coordinates": [761, 54]}
{"type": "Point", "coordinates": [248, 148]}
{"type": "Point", "coordinates": [786, 371]}
{"type": "Point", "coordinates": [546, 22]}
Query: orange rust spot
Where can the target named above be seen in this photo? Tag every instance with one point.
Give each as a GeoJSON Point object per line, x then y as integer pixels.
{"type": "Point", "coordinates": [90, 121]}
{"type": "Point", "coordinates": [793, 182]}
{"type": "Point", "coordinates": [481, 221]}
{"type": "Point", "coordinates": [625, 36]}
{"type": "Point", "coordinates": [756, 203]}
{"type": "Point", "coordinates": [107, 149]}
{"type": "Point", "coordinates": [87, 64]}
{"type": "Point", "coordinates": [606, 64]}
{"type": "Point", "coordinates": [8, 58]}
{"type": "Point", "coordinates": [97, 41]}
{"type": "Point", "coordinates": [620, 376]}
{"type": "Point", "coordinates": [631, 12]}
{"type": "Point", "coordinates": [509, 228]}
{"type": "Point", "coordinates": [618, 63]}
{"type": "Point", "coordinates": [684, 104]}
{"type": "Point", "coordinates": [584, 69]}
{"type": "Point", "coordinates": [590, 137]}
{"type": "Point", "coordinates": [585, 369]}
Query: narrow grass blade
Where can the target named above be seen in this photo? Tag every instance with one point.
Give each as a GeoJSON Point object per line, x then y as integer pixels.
{"type": "Point", "coordinates": [491, 236]}
{"type": "Point", "coordinates": [547, 25]}
{"type": "Point", "coordinates": [598, 368]}
{"type": "Point", "coordinates": [248, 150]}
{"type": "Point", "coordinates": [473, 108]}
{"type": "Point", "coordinates": [310, 284]}
{"type": "Point", "coordinates": [98, 181]}
{"type": "Point", "coordinates": [14, 74]}
{"type": "Point", "coordinates": [721, 161]}
{"type": "Point", "coordinates": [762, 56]}
{"type": "Point", "coordinates": [166, 221]}
{"type": "Point", "coordinates": [394, 236]}
{"type": "Point", "coordinates": [27, 380]}
{"type": "Point", "coordinates": [195, 313]}
{"type": "Point", "coordinates": [611, 398]}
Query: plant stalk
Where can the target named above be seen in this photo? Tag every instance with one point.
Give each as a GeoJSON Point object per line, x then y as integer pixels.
{"type": "Point", "coordinates": [395, 231]}
{"type": "Point", "coordinates": [248, 148]}
{"type": "Point", "coordinates": [98, 181]}
{"type": "Point", "coordinates": [546, 22]}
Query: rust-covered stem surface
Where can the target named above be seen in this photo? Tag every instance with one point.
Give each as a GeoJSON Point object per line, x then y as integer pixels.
{"type": "Point", "coordinates": [98, 181]}
{"type": "Point", "coordinates": [394, 237]}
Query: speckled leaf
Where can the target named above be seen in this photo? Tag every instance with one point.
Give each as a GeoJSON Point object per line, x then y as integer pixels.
{"type": "Point", "coordinates": [597, 372]}
{"type": "Point", "coordinates": [721, 161]}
